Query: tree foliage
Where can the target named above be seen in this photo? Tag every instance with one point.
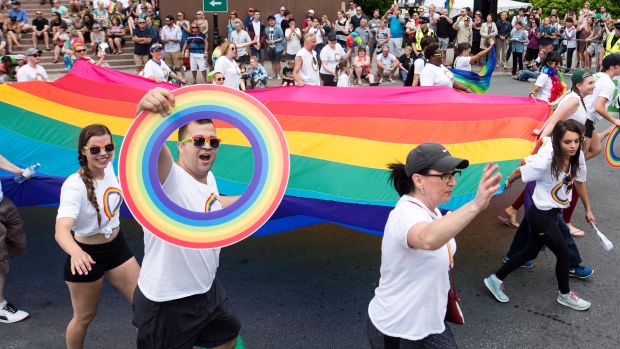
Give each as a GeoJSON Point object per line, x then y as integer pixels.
{"type": "Point", "coordinates": [613, 6]}
{"type": "Point", "coordinates": [368, 6]}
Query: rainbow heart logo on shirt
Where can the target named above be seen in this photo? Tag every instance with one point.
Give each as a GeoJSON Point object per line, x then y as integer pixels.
{"type": "Point", "coordinates": [211, 201]}
{"type": "Point", "coordinates": [556, 191]}
{"type": "Point", "coordinates": [112, 200]}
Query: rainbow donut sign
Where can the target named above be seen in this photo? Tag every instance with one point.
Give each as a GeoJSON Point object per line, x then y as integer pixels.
{"type": "Point", "coordinates": [156, 212]}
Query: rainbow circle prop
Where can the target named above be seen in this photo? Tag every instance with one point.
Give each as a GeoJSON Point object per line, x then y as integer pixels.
{"type": "Point", "coordinates": [612, 159]}
{"type": "Point", "coordinates": [156, 212]}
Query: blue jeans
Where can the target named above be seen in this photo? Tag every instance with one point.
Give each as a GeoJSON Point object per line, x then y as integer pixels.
{"type": "Point", "coordinates": [403, 74]}
{"type": "Point", "coordinates": [260, 54]}
{"type": "Point", "coordinates": [527, 74]}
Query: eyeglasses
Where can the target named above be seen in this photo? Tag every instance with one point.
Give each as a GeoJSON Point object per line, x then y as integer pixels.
{"type": "Point", "coordinates": [200, 141]}
{"type": "Point", "coordinates": [199, 14]}
{"type": "Point", "coordinates": [194, 27]}
{"type": "Point", "coordinates": [446, 177]}
{"type": "Point", "coordinates": [220, 79]}
{"type": "Point", "coordinates": [142, 22]}
{"type": "Point", "coordinates": [83, 50]}
{"type": "Point", "coordinates": [96, 149]}
{"type": "Point", "coordinates": [232, 48]}
{"type": "Point", "coordinates": [142, 8]}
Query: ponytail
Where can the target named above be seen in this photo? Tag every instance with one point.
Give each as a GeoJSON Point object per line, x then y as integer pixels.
{"type": "Point", "coordinates": [398, 177]}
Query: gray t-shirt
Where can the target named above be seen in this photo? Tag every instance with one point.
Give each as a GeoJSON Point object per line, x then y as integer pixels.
{"type": "Point", "coordinates": [382, 34]}
{"type": "Point", "coordinates": [386, 61]}
{"type": "Point", "coordinates": [364, 34]}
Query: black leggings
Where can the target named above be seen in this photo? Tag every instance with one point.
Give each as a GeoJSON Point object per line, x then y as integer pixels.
{"type": "Point", "coordinates": [378, 340]}
{"type": "Point", "coordinates": [544, 230]}
{"type": "Point", "coordinates": [517, 57]}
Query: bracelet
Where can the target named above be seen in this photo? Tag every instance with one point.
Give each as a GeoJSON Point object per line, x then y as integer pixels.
{"type": "Point", "coordinates": [532, 93]}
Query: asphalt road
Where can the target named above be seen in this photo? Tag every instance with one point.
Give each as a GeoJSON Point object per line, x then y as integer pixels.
{"type": "Point", "coordinates": [310, 288]}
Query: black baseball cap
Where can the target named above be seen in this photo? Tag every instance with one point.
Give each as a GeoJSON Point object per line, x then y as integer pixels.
{"type": "Point", "coordinates": [331, 37]}
{"type": "Point", "coordinates": [424, 20]}
{"type": "Point", "coordinates": [611, 60]}
{"type": "Point", "coordinates": [432, 156]}
{"type": "Point", "coordinates": [617, 25]}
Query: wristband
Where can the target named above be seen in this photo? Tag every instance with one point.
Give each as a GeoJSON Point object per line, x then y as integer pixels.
{"type": "Point", "coordinates": [532, 93]}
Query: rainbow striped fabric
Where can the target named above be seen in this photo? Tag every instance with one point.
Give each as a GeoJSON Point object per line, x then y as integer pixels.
{"type": "Point", "coordinates": [340, 140]}
{"type": "Point", "coordinates": [480, 82]}
{"type": "Point", "coordinates": [449, 5]}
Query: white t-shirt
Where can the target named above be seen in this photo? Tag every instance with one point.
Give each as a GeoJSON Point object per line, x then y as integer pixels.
{"type": "Point", "coordinates": [27, 73]}
{"type": "Point", "coordinates": [332, 56]}
{"type": "Point", "coordinates": [309, 71]}
{"type": "Point", "coordinates": [386, 61]}
{"type": "Point", "coordinates": [241, 37]}
{"type": "Point", "coordinates": [74, 204]}
{"type": "Point", "coordinates": [418, 65]}
{"type": "Point", "coordinates": [433, 75]}
{"type": "Point", "coordinates": [604, 88]}
{"type": "Point", "coordinates": [412, 296]}
{"type": "Point", "coordinates": [257, 31]}
{"type": "Point", "coordinates": [293, 45]}
{"type": "Point", "coordinates": [544, 82]}
{"type": "Point", "coordinates": [463, 63]}
{"type": "Point", "coordinates": [231, 71]}
{"type": "Point", "coordinates": [317, 34]}
{"type": "Point", "coordinates": [581, 114]}
{"type": "Point", "coordinates": [172, 272]}
{"type": "Point", "coordinates": [551, 192]}
{"type": "Point", "coordinates": [157, 70]}
{"type": "Point", "coordinates": [343, 80]}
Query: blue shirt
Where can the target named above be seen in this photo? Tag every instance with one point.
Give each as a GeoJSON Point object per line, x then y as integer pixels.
{"type": "Point", "coordinates": [21, 15]}
{"type": "Point", "coordinates": [196, 43]}
{"type": "Point", "coordinates": [396, 27]}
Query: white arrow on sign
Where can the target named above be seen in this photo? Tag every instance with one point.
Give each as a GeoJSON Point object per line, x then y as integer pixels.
{"type": "Point", "coordinates": [213, 3]}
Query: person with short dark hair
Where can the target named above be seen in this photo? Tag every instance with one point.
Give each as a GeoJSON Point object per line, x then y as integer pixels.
{"type": "Point", "coordinates": [196, 44]}
{"type": "Point", "coordinates": [171, 35]}
{"type": "Point", "coordinates": [40, 29]}
{"type": "Point", "coordinates": [143, 38]}
{"type": "Point", "coordinates": [256, 31]}
{"type": "Point", "coordinates": [274, 36]}
{"type": "Point", "coordinates": [20, 15]}
{"type": "Point", "coordinates": [209, 319]}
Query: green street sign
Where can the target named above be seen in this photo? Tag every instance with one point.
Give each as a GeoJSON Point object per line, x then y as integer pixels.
{"type": "Point", "coordinates": [212, 6]}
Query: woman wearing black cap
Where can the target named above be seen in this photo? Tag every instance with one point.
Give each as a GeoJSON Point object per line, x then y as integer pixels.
{"type": "Point", "coordinates": [409, 306]}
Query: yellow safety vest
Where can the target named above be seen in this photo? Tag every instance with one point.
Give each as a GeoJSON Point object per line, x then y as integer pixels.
{"type": "Point", "coordinates": [609, 49]}
{"type": "Point", "coordinates": [419, 36]}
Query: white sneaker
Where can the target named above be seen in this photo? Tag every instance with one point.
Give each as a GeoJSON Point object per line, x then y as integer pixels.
{"type": "Point", "coordinates": [271, 77]}
{"type": "Point", "coordinates": [10, 314]}
{"type": "Point", "coordinates": [278, 76]}
{"type": "Point", "coordinates": [381, 80]}
{"type": "Point", "coordinates": [572, 300]}
{"type": "Point", "coordinates": [390, 81]}
{"type": "Point", "coordinates": [531, 80]}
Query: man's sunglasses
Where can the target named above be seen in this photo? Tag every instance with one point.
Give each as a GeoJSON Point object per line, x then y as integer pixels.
{"type": "Point", "coordinates": [200, 141]}
{"type": "Point", "coordinates": [96, 149]}
{"type": "Point", "coordinates": [36, 55]}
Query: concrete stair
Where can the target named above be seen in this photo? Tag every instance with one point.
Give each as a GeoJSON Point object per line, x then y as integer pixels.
{"type": "Point", "coordinates": [119, 61]}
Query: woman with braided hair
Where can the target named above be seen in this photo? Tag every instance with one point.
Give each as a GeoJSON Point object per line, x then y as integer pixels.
{"type": "Point", "coordinates": [89, 207]}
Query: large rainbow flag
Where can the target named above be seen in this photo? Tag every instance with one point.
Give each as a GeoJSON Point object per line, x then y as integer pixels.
{"type": "Point", "coordinates": [340, 140]}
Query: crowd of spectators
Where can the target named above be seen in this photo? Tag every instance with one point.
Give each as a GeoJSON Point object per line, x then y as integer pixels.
{"type": "Point", "coordinates": [391, 41]}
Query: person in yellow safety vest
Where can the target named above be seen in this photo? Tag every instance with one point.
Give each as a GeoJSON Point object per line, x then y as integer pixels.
{"type": "Point", "coordinates": [423, 30]}
{"type": "Point", "coordinates": [611, 45]}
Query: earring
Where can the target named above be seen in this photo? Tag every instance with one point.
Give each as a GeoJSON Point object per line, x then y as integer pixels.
{"type": "Point", "coordinates": [422, 190]}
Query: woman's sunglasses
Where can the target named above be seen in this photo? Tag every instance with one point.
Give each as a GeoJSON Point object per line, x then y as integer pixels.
{"type": "Point", "coordinates": [96, 149]}
{"type": "Point", "coordinates": [82, 50]}
{"type": "Point", "coordinates": [200, 141]}
{"type": "Point", "coordinates": [220, 79]}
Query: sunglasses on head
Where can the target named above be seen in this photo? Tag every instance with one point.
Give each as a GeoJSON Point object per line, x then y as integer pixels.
{"type": "Point", "coordinates": [200, 141]}
{"type": "Point", "coordinates": [96, 149]}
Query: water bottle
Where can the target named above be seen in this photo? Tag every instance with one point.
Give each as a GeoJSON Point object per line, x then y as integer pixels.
{"type": "Point", "coordinates": [28, 172]}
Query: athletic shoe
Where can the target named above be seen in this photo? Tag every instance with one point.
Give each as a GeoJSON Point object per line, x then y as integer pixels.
{"type": "Point", "coordinates": [572, 300]}
{"type": "Point", "coordinates": [271, 77]}
{"type": "Point", "coordinates": [580, 272]}
{"type": "Point", "coordinates": [526, 265]}
{"type": "Point", "coordinates": [10, 314]}
{"type": "Point", "coordinates": [278, 77]}
{"type": "Point", "coordinates": [496, 288]}
{"type": "Point", "coordinates": [390, 81]}
{"type": "Point", "coordinates": [381, 80]}
{"type": "Point", "coordinates": [566, 71]}
{"type": "Point", "coordinates": [531, 80]}
{"type": "Point", "coordinates": [514, 77]}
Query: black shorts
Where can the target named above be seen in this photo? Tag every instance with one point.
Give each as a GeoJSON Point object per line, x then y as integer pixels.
{"type": "Point", "coordinates": [108, 256]}
{"type": "Point", "coordinates": [203, 320]}
{"type": "Point", "coordinates": [273, 55]}
{"type": "Point", "coordinates": [589, 128]}
{"type": "Point", "coordinates": [329, 79]}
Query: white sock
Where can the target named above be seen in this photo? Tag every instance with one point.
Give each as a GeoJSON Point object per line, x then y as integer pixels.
{"type": "Point", "coordinates": [494, 278]}
{"type": "Point", "coordinates": [3, 304]}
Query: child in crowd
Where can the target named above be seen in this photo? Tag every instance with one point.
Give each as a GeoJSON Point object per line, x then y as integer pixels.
{"type": "Point", "coordinates": [287, 74]}
{"type": "Point", "coordinates": [343, 73]}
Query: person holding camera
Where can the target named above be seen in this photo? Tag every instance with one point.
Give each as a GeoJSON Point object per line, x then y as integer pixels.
{"type": "Point", "coordinates": [397, 27]}
{"type": "Point", "coordinates": [546, 35]}
{"type": "Point", "coordinates": [533, 68]}
{"type": "Point", "coordinates": [568, 34]}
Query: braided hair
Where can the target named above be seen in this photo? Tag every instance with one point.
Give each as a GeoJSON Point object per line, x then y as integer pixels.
{"type": "Point", "coordinates": [84, 171]}
{"type": "Point", "coordinates": [576, 90]}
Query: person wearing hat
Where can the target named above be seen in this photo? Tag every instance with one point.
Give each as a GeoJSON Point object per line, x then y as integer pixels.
{"type": "Point", "coordinates": [603, 95]}
{"type": "Point", "coordinates": [32, 70]}
{"type": "Point", "coordinates": [409, 306]}
{"type": "Point", "coordinates": [420, 33]}
{"type": "Point", "coordinates": [612, 44]}
{"type": "Point", "coordinates": [330, 56]}
{"type": "Point", "coordinates": [464, 33]}
{"type": "Point", "coordinates": [558, 167]}
{"type": "Point", "coordinates": [308, 20]}
{"type": "Point", "coordinates": [156, 69]}
{"type": "Point", "coordinates": [250, 17]}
